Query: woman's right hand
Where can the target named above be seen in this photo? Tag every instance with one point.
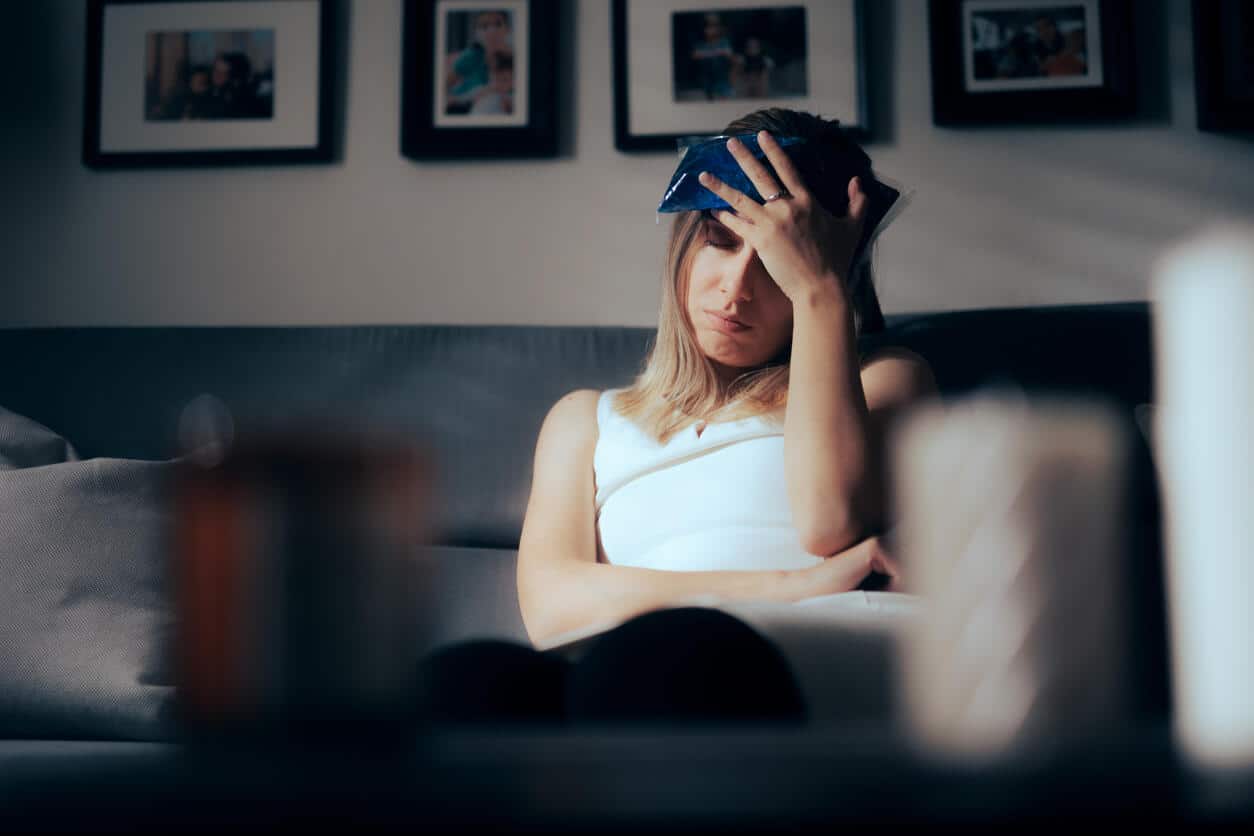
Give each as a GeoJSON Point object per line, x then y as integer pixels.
{"type": "Point", "coordinates": [845, 570]}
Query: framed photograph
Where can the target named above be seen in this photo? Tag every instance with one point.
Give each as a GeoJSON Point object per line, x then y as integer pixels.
{"type": "Point", "coordinates": [207, 83]}
{"type": "Point", "coordinates": [1223, 64]}
{"type": "Point", "coordinates": [480, 79]}
{"type": "Point", "coordinates": [998, 61]}
{"type": "Point", "coordinates": [686, 68]}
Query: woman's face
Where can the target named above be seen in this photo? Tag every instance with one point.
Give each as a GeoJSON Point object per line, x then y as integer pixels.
{"type": "Point", "coordinates": [492, 30]}
{"type": "Point", "coordinates": [727, 281]}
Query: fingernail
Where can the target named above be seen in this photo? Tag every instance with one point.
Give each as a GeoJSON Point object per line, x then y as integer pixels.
{"type": "Point", "coordinates": [703, 177]}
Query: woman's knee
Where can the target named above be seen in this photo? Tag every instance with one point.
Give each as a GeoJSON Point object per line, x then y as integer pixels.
{"type": "Point", "coordinates": [491, 680]}
{"type": "Point", "coordinates": [689, 664]}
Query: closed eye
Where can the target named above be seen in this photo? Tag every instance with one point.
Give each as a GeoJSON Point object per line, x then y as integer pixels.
{"type": "Point", "coordinates": [719, 236]}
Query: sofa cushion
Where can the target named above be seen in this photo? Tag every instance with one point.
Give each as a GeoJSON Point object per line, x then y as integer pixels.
{"type": "Point", "coordinates": [85, 617]}
{"type": "Point", "coordinates": [478, 595]}
{"type": "Point", "coordinates": [27, 443]}
{"type": "Point", "coordinates": [83, 613]}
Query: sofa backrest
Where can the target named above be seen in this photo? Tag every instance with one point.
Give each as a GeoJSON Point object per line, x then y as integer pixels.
{"type": "Point", "coordinates": [476, 395]}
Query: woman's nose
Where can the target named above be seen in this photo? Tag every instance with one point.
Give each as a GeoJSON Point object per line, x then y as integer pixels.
{"type": "Point", "coordinates": [739, 277]}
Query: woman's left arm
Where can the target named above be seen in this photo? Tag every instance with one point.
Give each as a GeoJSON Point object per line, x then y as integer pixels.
{"type": "Point", "coordinates": [838, 414]}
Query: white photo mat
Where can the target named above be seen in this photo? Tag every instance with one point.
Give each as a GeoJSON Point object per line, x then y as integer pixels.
{"type": "Point", "coordinates": [832, 66]}
{"type": "Point", "coordinates": [123, 128]}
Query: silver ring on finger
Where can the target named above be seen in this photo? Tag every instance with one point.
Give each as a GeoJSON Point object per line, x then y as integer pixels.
{"type": "Point", "coordinates": [782, 193]}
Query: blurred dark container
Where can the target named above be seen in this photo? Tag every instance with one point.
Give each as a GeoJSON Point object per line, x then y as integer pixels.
{"type": "Point", "coordinates": [300, 588]}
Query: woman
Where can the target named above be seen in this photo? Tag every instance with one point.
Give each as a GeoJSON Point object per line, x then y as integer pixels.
{"type": "Point", "coordinates": [757, 322]}
{"type": "Point", "coordinates": [746, 462]}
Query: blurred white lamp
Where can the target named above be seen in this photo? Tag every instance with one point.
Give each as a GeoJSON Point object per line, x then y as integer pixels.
{"type": "Point", "coordinates": [1203, 296]}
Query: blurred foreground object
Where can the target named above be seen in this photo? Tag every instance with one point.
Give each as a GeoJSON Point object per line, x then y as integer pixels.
{"type": "Point", "coordinates": [299, 585]}
{"type": "Point", "coordinates": [1012, 518]}
{"type": "Point", "coordinates": [1203, 316]}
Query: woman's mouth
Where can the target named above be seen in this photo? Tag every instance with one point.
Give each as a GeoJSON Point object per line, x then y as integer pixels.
{"type": "Point", "coordinates": [727, 326]}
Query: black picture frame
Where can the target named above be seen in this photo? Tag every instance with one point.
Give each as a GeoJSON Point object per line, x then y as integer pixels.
{"type": "Point", "coordinates": [317, 150]}
{"type": "Point", "coordinates": [1223, 65]}
{"type": "Point", "coordinates": [1108, 93]}
{"type": "Point", "coordinates": [628, 96]}
{"type": "Point", "coordinates": [428, 135]}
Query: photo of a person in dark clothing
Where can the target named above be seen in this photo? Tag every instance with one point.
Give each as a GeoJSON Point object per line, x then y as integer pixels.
{"type": "Point", "coordinates": [1032, 41]}
{"type": "Point", "coordinates": [227, 74]}
{"type": "Point", "coordinates": [739, 54]}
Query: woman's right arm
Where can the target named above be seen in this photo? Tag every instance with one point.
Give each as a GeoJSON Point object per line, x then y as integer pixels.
{"type": "Point", "coordinates": [562, 587]}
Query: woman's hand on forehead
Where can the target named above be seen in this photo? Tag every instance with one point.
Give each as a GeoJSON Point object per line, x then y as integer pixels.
{"type": "Point", "coordinates": [803, 246]}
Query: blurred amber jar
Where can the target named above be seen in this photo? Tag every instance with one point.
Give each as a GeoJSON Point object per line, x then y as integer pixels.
{"type": "Point", "coordinates": [300, 592]}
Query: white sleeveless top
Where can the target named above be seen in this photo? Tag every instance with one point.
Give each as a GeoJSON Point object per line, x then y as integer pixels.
{"type": "Point", "coordinates": [718, 500]}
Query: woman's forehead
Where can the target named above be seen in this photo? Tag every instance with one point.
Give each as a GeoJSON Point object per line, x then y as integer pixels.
{"type": "Point", "coordinates": [707, 217]}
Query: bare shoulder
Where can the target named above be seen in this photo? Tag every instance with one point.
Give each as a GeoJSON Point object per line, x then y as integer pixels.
{"type": "Point", "coordinates": [573, 418]}
{"type": "Point", "coordinates": [894, 375]}
{"type": "Point", "coordinates": [575, 407]}
{"type": "Point", "coordinates": [897, 353]}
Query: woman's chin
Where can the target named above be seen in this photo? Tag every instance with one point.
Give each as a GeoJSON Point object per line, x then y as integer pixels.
{"type": "Point", "coordinates": [729, 365]}
{"type": "Point", "coordinates": [730, 351]}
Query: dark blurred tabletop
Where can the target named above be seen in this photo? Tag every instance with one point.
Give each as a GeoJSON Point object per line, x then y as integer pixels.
{"type": "Point", "coordinates": [743, 779]}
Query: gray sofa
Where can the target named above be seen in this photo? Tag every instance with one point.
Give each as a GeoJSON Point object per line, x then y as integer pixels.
{"type": "Point", "coordinates": [475, 395]}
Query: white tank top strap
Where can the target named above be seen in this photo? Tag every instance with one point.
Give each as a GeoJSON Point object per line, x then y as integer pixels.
{"type": "Point", "coordinates": [625, 452]}
{"type": "Point", "coordinates": [605, 408]}
{"type": "Point", "coordinates": [717, 499]}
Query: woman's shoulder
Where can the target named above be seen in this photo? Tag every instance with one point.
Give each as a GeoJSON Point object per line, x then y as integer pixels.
{"type": "Point", "coordinates": [569, 432]}
{"type": "Point", "coordinates": [575, 403]}
{"type": "Point", "coordinates": [899, 354]}
{"type": "Point", "coordinates": [574, 413]}
{"type": "Point", "coordinates": [896, 369]}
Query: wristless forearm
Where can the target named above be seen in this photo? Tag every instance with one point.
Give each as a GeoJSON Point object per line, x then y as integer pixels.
{"type": "Point", "coordinates": [581, 593]}
{"type": "Point", "coordinates": [826, 424]}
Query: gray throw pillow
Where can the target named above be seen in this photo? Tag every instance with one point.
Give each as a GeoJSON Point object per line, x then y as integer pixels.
{"type": "Point", "coordinates": [84, 618]}
{"type": "Point", "coordinates": [27, 443]}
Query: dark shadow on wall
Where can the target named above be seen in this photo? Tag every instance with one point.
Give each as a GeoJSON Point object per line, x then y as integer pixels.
{"type": "Point", "coordinates": [41, 60]}
{"type": "Point", "coordinates": [343, 35]}
{"type": "Point", "coordinates": [1153, 61]}
{"type": "Point", "coordinates": [880, 28]}
{"type": "Point", "coordinates": [568, 77]}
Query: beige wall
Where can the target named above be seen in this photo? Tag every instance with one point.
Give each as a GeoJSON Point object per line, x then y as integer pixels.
{"type": "Point", "coordinates": [1000, 216]}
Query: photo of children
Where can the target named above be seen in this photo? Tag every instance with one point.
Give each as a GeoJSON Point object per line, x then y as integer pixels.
{"type": "Point", "coordinates": [1045, 45]}
{"type": "Point", "coordinates": [477, 62]}
{"type": "Point", "coordinates": [739, 54]}
{"type": "Point", "coordinates": [209, 74]}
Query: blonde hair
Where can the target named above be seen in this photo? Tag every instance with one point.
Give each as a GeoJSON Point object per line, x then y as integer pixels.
{"type": "Point", "coordinates": [678, 385]}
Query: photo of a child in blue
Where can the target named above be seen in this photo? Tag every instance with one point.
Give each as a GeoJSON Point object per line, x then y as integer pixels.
{"type": "Point", "coordinates": [467, 71]}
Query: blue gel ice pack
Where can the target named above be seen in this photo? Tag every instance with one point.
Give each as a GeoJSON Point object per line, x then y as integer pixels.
{"type": "Point", "coordinates": [826, 175]}
{"type": "Point", "coordinates": [686, 194]}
